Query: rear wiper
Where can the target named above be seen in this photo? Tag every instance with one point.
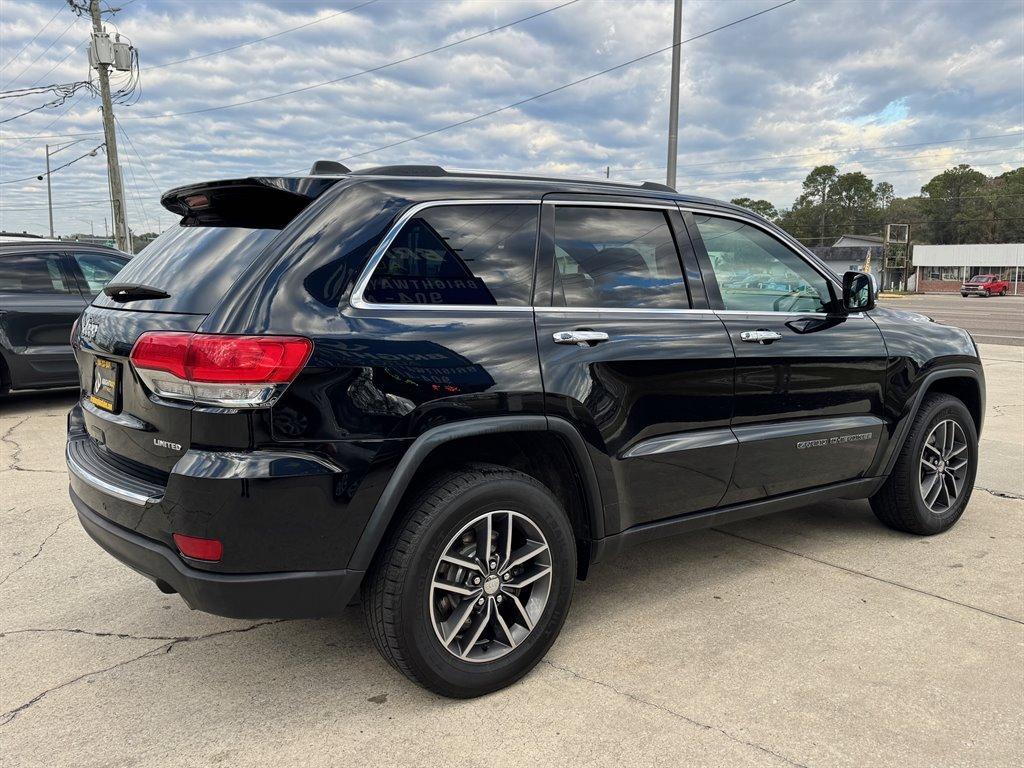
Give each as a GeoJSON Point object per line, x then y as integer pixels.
{"type": "Point", "coordinates": [124, 292]}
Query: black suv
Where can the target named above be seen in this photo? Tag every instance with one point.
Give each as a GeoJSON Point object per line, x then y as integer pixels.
{"type": "Point", "coordinates": [456, 392]}
{"type": "Point", "coordinates": [44, 286]}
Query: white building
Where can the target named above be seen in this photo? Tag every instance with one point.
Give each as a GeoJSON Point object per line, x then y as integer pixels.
{"type": "Point", "coordinates": [942, 268]}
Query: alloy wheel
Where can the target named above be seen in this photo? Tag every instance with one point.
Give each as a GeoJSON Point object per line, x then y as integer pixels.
{"type": "Point", "coordinates": [944, 464]}
{"type": "Point", "coordinates": [490, 586]}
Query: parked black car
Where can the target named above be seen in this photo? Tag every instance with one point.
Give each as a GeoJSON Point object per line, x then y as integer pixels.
{"type": "Point", "coordinates": [457, 392]}
{"type": "Point", "coordinates": [44, 286]}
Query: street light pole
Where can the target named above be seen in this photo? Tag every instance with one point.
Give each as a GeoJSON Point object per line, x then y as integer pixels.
{"type": "Point", "coordinates": [49, 192]}
{"type": "Point", "coordinates": [673, 108]}
{"type": "Point", "coordinates": [53, 149]}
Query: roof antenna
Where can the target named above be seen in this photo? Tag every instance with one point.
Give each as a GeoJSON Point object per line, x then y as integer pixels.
{"type": "Point", "coordinates": [327, 168]}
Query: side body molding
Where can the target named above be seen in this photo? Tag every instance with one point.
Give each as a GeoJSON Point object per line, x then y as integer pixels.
{"type": "Point", "coordinates": [411, 460]}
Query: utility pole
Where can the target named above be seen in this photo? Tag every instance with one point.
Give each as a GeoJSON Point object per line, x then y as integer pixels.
{"type": "Point", "coordinates": [673, 108]}
{"type": "Point", "coordinates": [109, 134]}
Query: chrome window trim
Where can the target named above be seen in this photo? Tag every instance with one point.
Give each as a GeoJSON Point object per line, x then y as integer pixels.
{"type": "Point", "coordinates": [781, 235]}
{"type": "Point", "coordinates": [358, 302]}
{"type": "Point", "coordinates": [622, 310]}
{"type": "Point", "coordinates": [655, 204]}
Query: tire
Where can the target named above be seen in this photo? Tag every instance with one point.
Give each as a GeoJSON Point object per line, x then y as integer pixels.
{"type": "Point", "coordinates": [901, 502]}
{"type": "Point", "coordinates": [406, 613]}
{"type": "Point", "coordinates": [964, 295]}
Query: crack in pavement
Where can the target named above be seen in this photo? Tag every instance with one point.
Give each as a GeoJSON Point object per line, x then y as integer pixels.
{"type": "Point", "coordinates": [16, 449]}
{"type": "Point", "coordinates": [160, 650]}
{"type": "Point", "coordinates": [672, 712]}
{"type": "Point", "coordinates": [39, 551]}
{"type": "Point", "coordinates": [12, 463]}
{"type": "Point", "coordinates": [855, 572]}
{"type": "Point", "coordinates": [91, 633]}
{"type": "Point", "coordinates": [1000, 494]}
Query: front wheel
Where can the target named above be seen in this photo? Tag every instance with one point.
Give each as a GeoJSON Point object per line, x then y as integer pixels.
{"type": "Point", "coordinates": [931, 483]}
{"type": "Point", "coordinates": [474, 583]}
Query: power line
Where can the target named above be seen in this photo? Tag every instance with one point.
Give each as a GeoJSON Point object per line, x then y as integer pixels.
{"type": "Point", "coordinates": [864, 171]}
{"type": "Point", "coordinates": [754, 171]}
{"type": "Point", "coordinates": [852, 150]}
{"type": "Point", "coordinates": [564, 86]}
{"type": "Point", "coordinates": [68, 56]}
{"type": "Point", "coordinates": [34, 38]}
{"type": "Point", "coordinates": [63, 93]}
{"type": "Point", "coordinates": [356, 74]}
{"type": "Point", "coordinates": [56, 119]}
{"type": "Point", "coordinates": [44, 51]}
{"type": "Point", "coordinates": [24, 139]}
{"type": "Point", "coordinates": [259, 40]}
{"type": "Point", "coordinates": [54, 170]}
{"type": "Point", "coordinates": [142, 160]}
{"type": "Point", "coordinates": [855, 170]}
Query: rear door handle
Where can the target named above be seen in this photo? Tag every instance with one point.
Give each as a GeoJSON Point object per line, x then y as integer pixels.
{"type": "Point", "coordinates": [760, 336]}
{"type": "Point", "coordinates": [579, 338]}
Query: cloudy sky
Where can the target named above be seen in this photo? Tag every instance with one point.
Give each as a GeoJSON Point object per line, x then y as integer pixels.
{"type": "Point", "coordinates": [899, 90]}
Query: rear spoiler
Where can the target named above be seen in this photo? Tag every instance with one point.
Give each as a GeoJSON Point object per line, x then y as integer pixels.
{"type": "Point", "coordinates": [257, 202]}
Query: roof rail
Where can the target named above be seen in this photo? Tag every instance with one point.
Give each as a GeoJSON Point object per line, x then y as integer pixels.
{"type": "Point", "coordinates": [402, 170]}
{"type": "Point", "coordinates": [438, 171]}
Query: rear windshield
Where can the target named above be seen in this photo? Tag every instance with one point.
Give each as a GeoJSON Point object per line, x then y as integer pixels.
{"type": "Point", "coordinates": [197, 266]}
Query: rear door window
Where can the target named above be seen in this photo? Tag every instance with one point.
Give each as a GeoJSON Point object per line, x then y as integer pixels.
{"type": "Point", "coordinates": [617, 258]}
{"type": "Point", "coordinates": [36, 273]}
{"type": "Point", "coordinates": [97, 269]}
{"type": "Point", "coordinates": [470, 255]}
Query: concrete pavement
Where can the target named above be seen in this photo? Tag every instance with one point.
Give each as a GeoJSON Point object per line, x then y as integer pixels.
{"type": "Point", "coordinates": [810, 638]}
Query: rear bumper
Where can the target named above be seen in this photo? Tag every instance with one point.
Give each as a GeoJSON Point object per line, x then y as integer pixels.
{"type": "Point", "coordinates": [301, 594]}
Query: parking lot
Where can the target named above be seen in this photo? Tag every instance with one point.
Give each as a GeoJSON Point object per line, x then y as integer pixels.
{"type": "Point", "coordinates": [811, 638]}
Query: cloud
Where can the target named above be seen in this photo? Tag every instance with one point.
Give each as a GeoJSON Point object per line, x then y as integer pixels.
{"type": "Point", "coordinates": [809, 76]}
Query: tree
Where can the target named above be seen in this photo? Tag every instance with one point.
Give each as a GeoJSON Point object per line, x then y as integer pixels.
{"type": "Point", "coordinates": [818, 188]}
{"type": "Point", "coordinates": [762, 207]}
{"type": "Point", "coordinates": [884, 194]}
{"type": "Point", "coordinates": [854, 204]}
{"type": "Point", "coordinates": [955, 206]}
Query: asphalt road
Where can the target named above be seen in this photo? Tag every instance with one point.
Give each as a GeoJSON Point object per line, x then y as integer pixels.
{"type": "Point", "coordinates": [810, 638]}
{"type": "Point", "coordinates": [996, 320]}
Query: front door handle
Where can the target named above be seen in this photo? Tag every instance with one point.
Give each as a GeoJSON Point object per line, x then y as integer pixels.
{"type": "Point", "coordinates": [760, 336]}
{"type": "Point", "coordinates": [579, 338]}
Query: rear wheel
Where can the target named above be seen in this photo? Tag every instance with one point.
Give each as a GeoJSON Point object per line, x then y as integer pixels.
{"type": "Point", "coordinates": [932, 480]}
{"type": "Point", "coordinates": [472, 587]}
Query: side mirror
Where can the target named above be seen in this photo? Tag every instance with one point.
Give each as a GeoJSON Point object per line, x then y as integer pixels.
{"type": "Point", "coordinates": [859, 291]}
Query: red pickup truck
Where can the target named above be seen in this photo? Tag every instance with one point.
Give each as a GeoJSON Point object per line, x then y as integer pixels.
{"type": "Point", "coordinates": [984, 285]}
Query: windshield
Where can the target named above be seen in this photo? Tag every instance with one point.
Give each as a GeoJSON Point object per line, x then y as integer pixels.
{"type": "Point", "coordinates": [196, 266]}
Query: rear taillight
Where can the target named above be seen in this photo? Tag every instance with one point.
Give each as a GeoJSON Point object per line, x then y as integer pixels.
{"type": "Point", "coordinates": [215, 369]}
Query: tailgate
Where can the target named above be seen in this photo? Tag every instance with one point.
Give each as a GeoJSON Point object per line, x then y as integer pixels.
{"type": "Point", "coordinates": [119, 414]}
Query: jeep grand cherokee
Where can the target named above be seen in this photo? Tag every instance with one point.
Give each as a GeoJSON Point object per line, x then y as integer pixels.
{"type": "Point", "coordinates": [451, 394]}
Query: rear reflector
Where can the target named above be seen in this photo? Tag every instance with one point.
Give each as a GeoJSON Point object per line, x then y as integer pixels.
{"type": "Point", "coordinates": [235, 371]}
{"type": "Point", "coordinates": [198, 548]}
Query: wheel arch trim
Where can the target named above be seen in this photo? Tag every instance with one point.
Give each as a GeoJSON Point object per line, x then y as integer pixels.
{"type": "Point", "coordinates": [903, 428]}
{"type": "Point", "coordinates": [387, 505]}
